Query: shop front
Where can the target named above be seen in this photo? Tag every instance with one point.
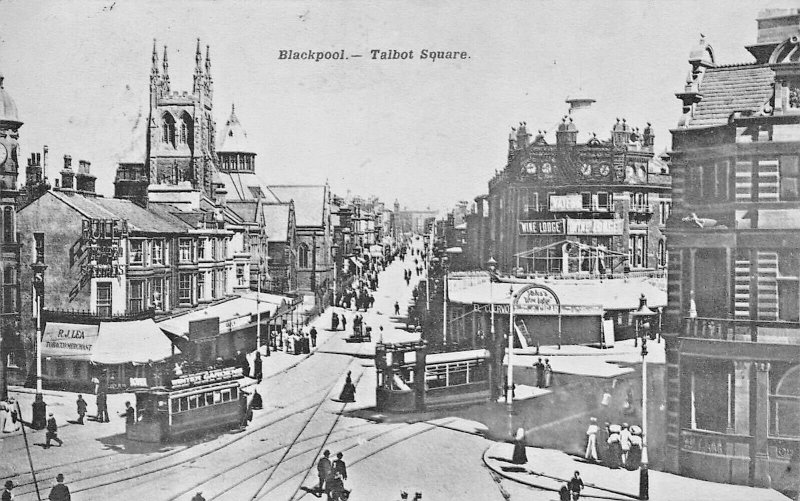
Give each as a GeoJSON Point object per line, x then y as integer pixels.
{"type": "Point", "coordinates": [123, 355]}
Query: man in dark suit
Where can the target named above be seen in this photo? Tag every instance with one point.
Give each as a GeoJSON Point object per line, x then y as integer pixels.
{"type": "Point", "coordinates": [339, 466]}
{"type": "Point", "coordinates": [324, 471]}
{"type": "Point", "coordinates": [59, 492]}
{"type": "Point", "coordinates": [52, 432]}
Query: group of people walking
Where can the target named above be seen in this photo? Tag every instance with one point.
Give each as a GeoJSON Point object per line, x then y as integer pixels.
{"type": "Point", "coordinates": [332, 475]}
{"type": "Point", "coordinates": [616, 446]}
{"type": "Point", "coordinates": [544, 373]}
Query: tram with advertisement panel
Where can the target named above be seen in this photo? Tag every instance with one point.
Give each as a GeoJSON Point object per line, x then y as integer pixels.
{"type": "Point", "coordinates": [192, 404]}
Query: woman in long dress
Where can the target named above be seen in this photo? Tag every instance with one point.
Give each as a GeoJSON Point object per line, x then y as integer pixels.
{"type": "Point", "coordinates": [348, 393]}
{"type": "Point", "coordinates": [4, 415]}
{"type": "Point", "coordinates": [614, 447]}
{"type": "Point", "coordinates": [520, 455]}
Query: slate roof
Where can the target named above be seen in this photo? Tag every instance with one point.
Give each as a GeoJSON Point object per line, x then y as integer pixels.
{"type": "Point", "coordinates": [239, 184]}
{"type": "Point", "coordinates": [245, 209]}
{"type": "Point", "coordinates": [728, 89]}
{"type": "Point", "coordinates": [276, 222]}
{"type": "Point", "coordinates": [309, 202]}
{"type": "Point", "coordinates": [139, 219]}
{"type": "Point", "coordinates": [233, 138]}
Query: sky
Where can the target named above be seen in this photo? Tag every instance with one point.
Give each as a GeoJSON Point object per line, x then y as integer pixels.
{"type": "Point", "coordinates": [427, 133]}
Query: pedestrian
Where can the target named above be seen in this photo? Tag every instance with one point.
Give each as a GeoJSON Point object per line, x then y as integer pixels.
{"type": "Point", "coordinates": [396, 308]}
{"type": "Point", "coordinates": [324, 469]}
{"type": "Point", "coordinates": [59, 492]}
{"type": "Point", "coordinates": [102, 406]}
{"type": "Point", "coordinates": [614, 449]}
{"type": "Point", "coordinates": [7, 494]}
{"type": "Point", "coordinates": [248, 415]}
{"type": "Point", "coordinates": [257, 402]}
{"type": "Point", "coordinates": [624, 443]}
{"type": "Point", "coordinates": [198, 497]}
{"type": "Point", "coordinates": [602, 443]}
{"type": "Point", "coordinates": [539, 367]}
{"type": "Point", "coordinates": [344, 322]}
{"type": "Point", "coordinates": [334, 322]}
{"type": "Point", "coordinates": [339, 466]}
{"type": "Point", "coordinates": [591, 442]}
{"type": "Point", "coordinates": [81, 404]}
{"type": "Point", "coordinates": [313, 333]}
{"type": "Point", "coordinates": [129, 414]}
{"type": "Point", "coordinates": [576, 485]}
{"type": "Point", "coordinates": [563, 493]}
{"type": "Point", "coordinates": [257, 374]}
{"type": "Point", "coordinates": [52, 432]}
{"type": "Point", "coordinates": [520, 455]}
{"type": "Point", "coordinates": [548, 373]}
{"type": "Point", "coordinates": [335, 488]}
{"type": "Point", "coordinates": [348, 393]}
{"type": "Point", "coordinates": [635, 454]}
{"type": "Point", "coordinates": [243, 363]}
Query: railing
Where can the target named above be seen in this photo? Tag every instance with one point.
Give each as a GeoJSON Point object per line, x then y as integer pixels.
{"type": "Point", "coordinates": [586, 275]}
{"type": "Point", "coordinates": [86, 316]}
{"type": "Point", "coordinates": [728, 329]}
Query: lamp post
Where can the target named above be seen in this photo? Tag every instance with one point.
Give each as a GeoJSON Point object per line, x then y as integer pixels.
{"type": "Point", "coordinates": [39, 406]}
{"type": "Point", "coordinates": [492, 265]}
{"type": "Point", "coordinates": [451, 251]}
{"type": "Point", "coordinates": [643, 316]}
{"type": "Point", "coordinates": [510, 376]}
{"type": "Point", "coordinates": [334, 249]}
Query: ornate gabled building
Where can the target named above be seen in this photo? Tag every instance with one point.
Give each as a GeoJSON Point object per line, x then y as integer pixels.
{"type": "Point", "coordinates": [733, 331]}
{"type": "Point", "coordinates": [578, 205]}
{"type": "Point", "coordinates": [9, 243]}
{"type": "Point", "coordinates": [181, 150]}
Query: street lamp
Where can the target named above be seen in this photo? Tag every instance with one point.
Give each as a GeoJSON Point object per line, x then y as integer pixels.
{"type": "Point", "coordinates": [492, 265]}
{"type": "Point", "coordinates": [334, 249]}
{"type": "Point", "coordinates": [643, 315]}
{"type": "Point", "coordinates": [39, 407]}
{"type": "Point", "coordinates": [258, 308]}
{"type": "Point", "coordinates": [510, 376]}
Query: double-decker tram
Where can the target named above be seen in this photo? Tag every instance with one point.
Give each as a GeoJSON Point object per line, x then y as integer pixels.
{"type": "Point", "coordinates": [194, 403]}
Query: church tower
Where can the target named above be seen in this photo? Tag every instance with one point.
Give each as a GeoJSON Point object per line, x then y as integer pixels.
{"type": "Point", "coordinates": [180, 149]}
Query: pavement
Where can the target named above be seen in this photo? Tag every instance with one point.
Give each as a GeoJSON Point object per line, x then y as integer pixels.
{"type": "Point", "coordinates": [549, 469]}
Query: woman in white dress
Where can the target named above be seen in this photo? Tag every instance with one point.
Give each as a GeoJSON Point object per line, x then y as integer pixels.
{"type": "Point", "coordinates": [4, 414]}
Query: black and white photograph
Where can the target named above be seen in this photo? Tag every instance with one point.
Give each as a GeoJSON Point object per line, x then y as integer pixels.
{"type": "Point", "coordinates": [387, 250]}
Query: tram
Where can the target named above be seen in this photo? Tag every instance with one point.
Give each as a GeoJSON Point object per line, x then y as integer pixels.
{"type": "Point", "coordinates": [194, 403]}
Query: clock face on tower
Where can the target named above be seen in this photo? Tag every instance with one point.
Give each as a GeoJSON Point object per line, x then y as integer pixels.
{"type": "Point", "coordinates": [604, 169]}
{"type": "Point", "coordinates": [586, 170]}
{"type": "Point", "coordinates": [3, 154]}
{"type": "Point", "coordinates": [530, 168]}
{"type": "Point", "coordinates": [547, 168]}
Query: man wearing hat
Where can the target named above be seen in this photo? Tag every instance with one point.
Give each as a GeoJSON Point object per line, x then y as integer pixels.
{"type": "Point", "coordinates": [59, 492]}
{"type": "Point", "coordinates": [591, 442]}
{"type": "Point", "coordinates": [52, 431]}
{"type": "Point", "coordinates": [625, 443]}
{"type": "Point", "coordinates": [7, 494]}
{"type": "Point", "coordinates": [198, 497]}
{"type": "Point", "coordinates": [324, 471]}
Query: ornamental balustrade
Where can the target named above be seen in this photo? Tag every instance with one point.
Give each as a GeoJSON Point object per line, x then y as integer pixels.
{"type": "Point", "coordinates": [728, 329]}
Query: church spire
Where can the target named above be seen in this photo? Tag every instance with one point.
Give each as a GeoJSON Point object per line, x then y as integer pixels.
{"type": "Point", "coordinates": [154, 70]}
{"type": "Point", "coordinates": [198, 59]}
{"type": "Point", "coordinates": [208, 62]}
{"type": "Point", "coordinates": [165, 65]}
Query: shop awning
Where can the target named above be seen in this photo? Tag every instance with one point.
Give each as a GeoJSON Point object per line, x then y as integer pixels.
{"type": "Point", "coordinates": [110, 343]}
{"type": "Point", "coordinates": [233, 314]}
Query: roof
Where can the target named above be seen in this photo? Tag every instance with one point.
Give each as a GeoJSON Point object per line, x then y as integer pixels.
{"type": "Point", "coordinates": [729, 89]}
{"type": "Point", "coordinates": [8, 109]}
{"type": "Point", "coordinates": [309, 202]}
{"type": "Point", "coordinates": [612, 294]}
{"type": "Point", "coordinates": [227, 310]}
{"type": "Point", "coordinates": [243, 185]}
{"type": "Point", "coordinates": [139, 218]}
{"type": "Point", "coordinates": [245, 209]}
{"type": "Point", "coordinates": [276, 222]}
{"type": "Point", "coordinates": [233, 138]}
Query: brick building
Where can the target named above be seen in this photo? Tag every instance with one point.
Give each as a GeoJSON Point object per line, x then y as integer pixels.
{"type": "Point", "coordinates": [733, 337]}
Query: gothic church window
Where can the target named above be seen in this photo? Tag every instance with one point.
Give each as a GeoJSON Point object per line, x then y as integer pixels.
{"type": "Point", "coordinates": [186, 135]}
{"type": "Point", "coordinates": [302, 256]}
{"type": "Point", "coordinates": [168, 129]}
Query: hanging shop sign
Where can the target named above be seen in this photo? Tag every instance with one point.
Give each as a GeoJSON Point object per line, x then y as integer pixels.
{"type": "Point", "coordinates": [573, 202]}
{"type": "Point", "coordinates": [541, 227]}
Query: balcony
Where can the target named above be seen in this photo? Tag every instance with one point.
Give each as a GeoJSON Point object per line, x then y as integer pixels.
{"type": "Point", "coordinates": [754, 331]}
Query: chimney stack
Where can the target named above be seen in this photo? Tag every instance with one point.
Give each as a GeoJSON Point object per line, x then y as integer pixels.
{"type": "Point", "coordinates": [67, 174]}
{"type": "Point", "coordinates": [84, 180]}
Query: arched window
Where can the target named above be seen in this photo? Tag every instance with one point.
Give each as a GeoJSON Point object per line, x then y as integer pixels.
{"type": "Point", "coordinates": [186, 134]}
{"type": "Point", "coordinates": [785, 405]}
{"type": "Point", "coordinates": [168, 129]}
{"type": "Point", "coordinates": [302, 256]}
{"type": "Point", "coordinates": [662, 253]}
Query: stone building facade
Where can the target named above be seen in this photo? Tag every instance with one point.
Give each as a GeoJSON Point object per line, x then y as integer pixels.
{"type": "Point", "coordinates": [732, 330]}
{"type": "Point", "coordinates": [575, 204]}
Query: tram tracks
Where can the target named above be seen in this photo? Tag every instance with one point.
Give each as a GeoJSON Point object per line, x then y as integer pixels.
{"type": "Point", "coordinates": [25, 486]}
